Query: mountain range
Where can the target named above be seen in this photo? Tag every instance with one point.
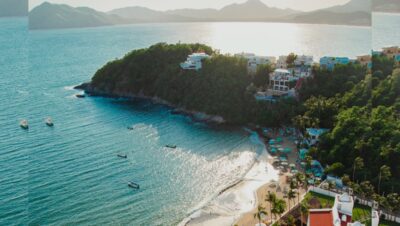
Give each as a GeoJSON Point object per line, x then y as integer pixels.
{"type": "Point", "coordinates": [389, 6]}
{"type": "Point", "coordinates": [50, 16]}
{"type": "Point", "coordinates": [13, 8]}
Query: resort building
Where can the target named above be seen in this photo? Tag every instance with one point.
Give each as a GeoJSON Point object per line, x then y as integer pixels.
{"type": "Point", "coordinates": [304, 60]}
{"type": "Point", "coordinates": [281, 63]}
{"type": "Point", "coordinates": [253, 61]}
{"type": "Point", "coordinates": [365, 60]}
{"type": "Point", "coordinates": [397, 60]}
{"type": "Point", "coordinates": [339, 215]}
{"type": "Point", "coordinates": [391, 52]}
{"type": "Point", "coordinates": [279, 81]}
{"type": "Point", "coordinates": [194, 61]}
{"type": "Point", "coordinates": [323, 217]}
{"type": "Point", "coordinates": [329, 63]}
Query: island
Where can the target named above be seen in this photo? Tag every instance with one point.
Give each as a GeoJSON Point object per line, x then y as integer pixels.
{"type": "Point", "coordinates": [347, 115]}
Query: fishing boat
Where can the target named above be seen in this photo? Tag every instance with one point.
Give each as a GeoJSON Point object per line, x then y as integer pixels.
{"type": "Point", "coordinates": [170, 146]}
{"type": "Point", "coordinates": [49, 122]}
{"type": "Point", "coordinates": [80, 95]}
{"type": "Point", "coordinates": [133, 185]}
{"type": "Point", "coordinates": [24, 124]}
{"type": "Point", "coordinates": [122, 156]}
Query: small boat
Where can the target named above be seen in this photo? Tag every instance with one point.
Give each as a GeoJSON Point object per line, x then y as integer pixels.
{"type": "Point", "coordinates": [24, 124]}
{"type": "Point", "coordinates": [80, 95]}
{"type": "Point", "coordinates": [130, 127]}
{"type": "Point", "coordinates": [170, 146]}
{"type": "Point", "coordinates": [49, 122]}
{"type": "Point", "coordinates": [122, 156]}
{"type": "Point", "coordinates": [133, 185]}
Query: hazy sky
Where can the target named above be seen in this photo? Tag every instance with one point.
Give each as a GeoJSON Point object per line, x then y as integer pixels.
{"type": "Point", "coordinates": [105, 5]}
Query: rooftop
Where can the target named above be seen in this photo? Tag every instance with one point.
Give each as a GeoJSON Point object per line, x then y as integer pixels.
{"type": "Point", "coordinates": [321, 217]}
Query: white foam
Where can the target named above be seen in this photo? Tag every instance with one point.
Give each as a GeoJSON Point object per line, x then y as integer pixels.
{"type": "Point", "coordinates": [228, 206]}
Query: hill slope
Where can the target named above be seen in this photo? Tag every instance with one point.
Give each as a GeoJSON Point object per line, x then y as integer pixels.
{"type": "Point", "coordinates": [50, 16]}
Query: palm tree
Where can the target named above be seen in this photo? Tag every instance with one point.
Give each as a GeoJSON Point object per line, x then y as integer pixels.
{"type": "Point", "coordinates": [384, 174]}
{"type": "Point", "coordinates": [271, 198]}
{"type": "Point", "coordinates": [303, 210]}
{"type": "Point", "coordinates": [358, 164]}
{"type": "Point", "coordinates": [291, 195]}
{"type": "Point", "coordinates": [290, 221]}
{"type": "Point", "coordinates": [260, 211]}
{"type": "Point", "coordinates": [279, 207]}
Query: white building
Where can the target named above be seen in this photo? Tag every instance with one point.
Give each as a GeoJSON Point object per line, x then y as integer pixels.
{"type": "Point", "coordinates": [279, 81]}
{"type": "Point", "coordinates": [253, 61]}
{"type": "Point", "coordinates": [281, 63]}
{"type": "Point", "coordinates": [194, 61]}
{"type": "Point", "coordinates": [374, 218]}
{"type": "Point", "coordinates": [304, 60]}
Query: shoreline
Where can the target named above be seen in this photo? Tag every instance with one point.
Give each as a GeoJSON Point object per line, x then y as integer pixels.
{"type": "Point", "coordinates": [237, 199]}
{"type": "Point", "coordinates": [234, 203]}
{"type": "Point", "coordinates": [194, 115]}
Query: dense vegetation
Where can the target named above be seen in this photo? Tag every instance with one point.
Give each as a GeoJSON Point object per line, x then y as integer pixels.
{"type": "Point", "coordinates": [222, 87]}
{"type": "Point", "coordinates": [364, 137]}
{"type": "Point", "coordinates": [360, 110]}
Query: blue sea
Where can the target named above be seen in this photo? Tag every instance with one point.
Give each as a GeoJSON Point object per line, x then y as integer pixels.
{"type": "Point", "coordinates": [70, 174]}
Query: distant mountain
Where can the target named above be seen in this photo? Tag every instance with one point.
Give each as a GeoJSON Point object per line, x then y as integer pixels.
{"type": "Point", "coordinates": [389, 6]}
{"type": "Point", "coordinates": [352, 6]}
{"type": "Point", "coordinates": [252, 10]}
{"type": "Point", "coordinates": [326, 17]}
{"type": "Point", "coordinates": [147, 15]}
{"type": "Point", "coordinates": [48, 16]}
{"type": "Point", "coordinates": [51, 16]}
{"type": "Point", "coordinates": [13, 8]}
{"type": "Point", "coordinates": [355, 12]}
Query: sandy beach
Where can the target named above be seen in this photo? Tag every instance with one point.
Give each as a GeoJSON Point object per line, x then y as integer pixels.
{"type": "Point", "coordinates": [237, 204]}
{"type": "Point", "coordinates": [230, 204]}
{"type": "Point", "coordinates": [248, 219]}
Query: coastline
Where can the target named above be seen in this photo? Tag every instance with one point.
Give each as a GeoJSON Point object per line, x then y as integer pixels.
{"type": "Point", "coordinates": [194, 115]}
{"type": "Point", "coordinates": [236, 199]}
{"type": "Point", "coordinates": [236, 202]}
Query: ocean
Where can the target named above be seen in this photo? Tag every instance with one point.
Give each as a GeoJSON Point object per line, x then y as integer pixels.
{"type": "Point", "coordinates": [70, 174]}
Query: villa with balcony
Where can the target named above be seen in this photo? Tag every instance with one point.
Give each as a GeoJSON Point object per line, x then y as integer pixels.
{"type": "Point", "coordinates": [329, 63]}
{"type": "Point", "coordinates": [279, 82]}
{"type": "Point", "coordinates": [391, 52]}
{"type": "Point", "coordinates": [194, 61]}
{"type": "Point", "coordinates": [253, 61]}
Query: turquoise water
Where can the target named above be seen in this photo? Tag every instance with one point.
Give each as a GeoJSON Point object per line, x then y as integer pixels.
{"type": "Point", "coordinates": [70, 174]}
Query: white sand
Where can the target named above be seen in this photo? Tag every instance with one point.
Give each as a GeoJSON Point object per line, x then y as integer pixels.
{"type": "Point", "coordinates": [227, 207]}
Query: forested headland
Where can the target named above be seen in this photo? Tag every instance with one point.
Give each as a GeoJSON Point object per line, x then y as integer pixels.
{"type": "Point", "coordinates": [359, 107]}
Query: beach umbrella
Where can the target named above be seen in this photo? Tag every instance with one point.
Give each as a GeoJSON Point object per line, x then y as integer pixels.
{"type": "Point", "coordinates": [272, 141]}
{"type": "Point", "coordinates": [295, 171]}
{"type": "Point", "coordinates": [287, 150]}
{"type": "Point", "coordinates": [279, 139]}
{"type": "Point", "coordinates": [280, 149]}
{"type": "Point", "coordinates": [292, 165]}
{"type": "Point", "coordinates": [303, 164]}
{"type": "Point", "coordinates": [273, 150]}
{"type": "Point", "coordinates": [284, 163]}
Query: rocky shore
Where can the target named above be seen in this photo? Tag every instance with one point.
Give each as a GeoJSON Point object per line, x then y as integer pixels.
{"type": "Point", "coordinates": [194, 115]}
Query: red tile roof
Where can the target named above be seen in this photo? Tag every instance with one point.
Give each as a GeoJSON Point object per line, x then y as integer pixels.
{"type": "Point", "coordinates": [321, 218]}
